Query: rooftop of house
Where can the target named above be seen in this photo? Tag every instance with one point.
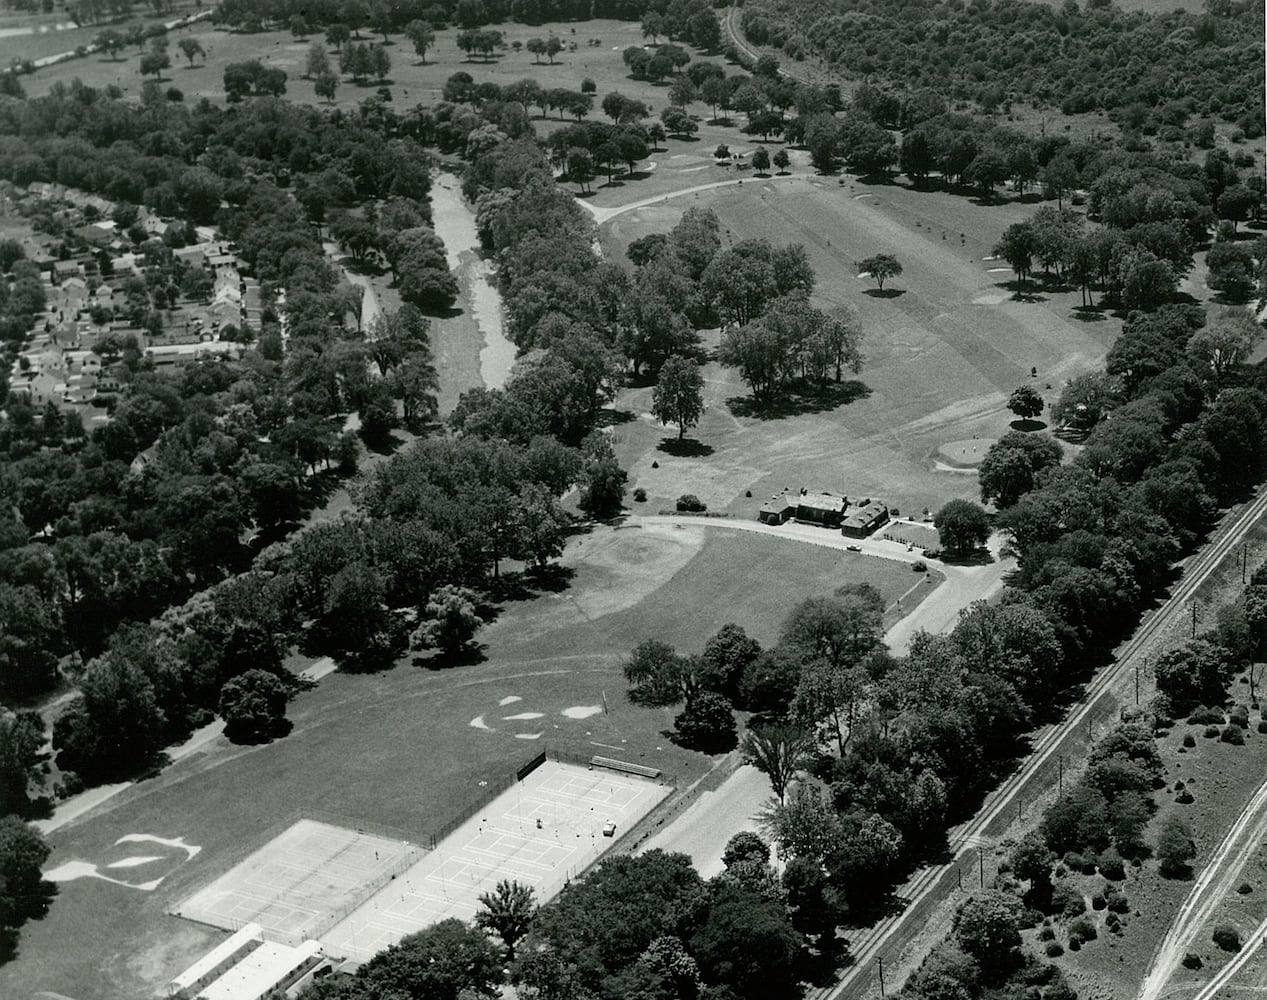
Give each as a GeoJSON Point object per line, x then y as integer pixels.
{"type": "Point", "coordinates": [821, 501]}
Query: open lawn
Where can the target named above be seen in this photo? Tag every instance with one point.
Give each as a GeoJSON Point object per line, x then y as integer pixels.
{"type": "Point", "coordinates": [408, 749]}
{"type": "Point", "coordinates": [944, 347]}
{"type": "Point", "coordinates": [411, 82]}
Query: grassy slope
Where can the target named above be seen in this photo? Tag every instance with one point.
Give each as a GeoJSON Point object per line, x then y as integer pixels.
{"type": "Point", "coordinates": [398, 748]}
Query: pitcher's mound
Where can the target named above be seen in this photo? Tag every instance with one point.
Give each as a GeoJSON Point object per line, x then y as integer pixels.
{"type": "Point", "coordinates": [964, 454]}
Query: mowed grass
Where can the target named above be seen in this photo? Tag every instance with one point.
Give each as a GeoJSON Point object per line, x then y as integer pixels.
{"type": "Point", "coordinates": [399, 749]}
{"type": "Point", "coordinates": [942, 353]}
{"type": "Point", "coordinates": [411, 82]}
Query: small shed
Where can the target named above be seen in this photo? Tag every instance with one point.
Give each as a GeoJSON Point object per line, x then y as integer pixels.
{"type": "Point", "coordinates": [826, 509]}
{"type": "Point", "coordinates": [777, 509]}
{"type": "Point", "coordinates": [865, 518]}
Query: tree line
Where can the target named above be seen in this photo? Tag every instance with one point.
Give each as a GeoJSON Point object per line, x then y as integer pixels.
{"type": "Point", "coordinates": [1077, 59]}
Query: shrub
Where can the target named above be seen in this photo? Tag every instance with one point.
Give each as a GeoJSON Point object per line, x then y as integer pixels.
{"type": "Point", "coordinates": [1098, 901]}
{"type": "Point", "coordinates": [1054, 949]}
{"type": "Point", "coordinates": [1189, 740]}
{"type": "Point", "coordinates": [1046, 934]}
{"type": "Point", "coordinates": [1234, 735]}
{"type": "Point", "coordinates": [1184, 798]}
{"type": "Point", "coordinates": [690, 502]}
{"type": "Point", "coordinates": [1073, 861]}
{"type": "Point", "coordinates": [1179, 786]}
{"type": "Point", "coordinates": [1088, 865]}
{"type": "Point", "coordinates": [640, 495]}
{"type": "Point", "coordinates": [1262, 725]}
{"type": "Point", "coordinates": [1075, 944]}
{"type": "Point", "coordinates": [1211, 732]}
{"type": "Point", "coordinates": [1205, 717]}
{"type": "Point", "coordinates": [1113, 922]}
{"type": "Point", "coordinates": [1244, 888]}
{"type": "Point", "coordinates": [919, 566]}
{"type": "Point", "coordinates": [1068, 901]}
{"type": "Point", "coordinates": [1119, 904]}
{"type": "Point", "coordinates": [1239, 716]}
{"type": "Point", "coordinates": [1112, 866]}
{"type": "Point", "coordinates": [1227, 937]}
{"type": "Point", "coordinates": [1083, 930]}
{"type": "Point", "coordinates": [1191, 961]}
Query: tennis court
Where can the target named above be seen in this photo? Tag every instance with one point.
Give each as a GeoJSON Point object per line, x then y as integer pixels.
{"type": "Point", "coordinates": [542, 831]}
{"type": "Point", "coordinates": [297, 884]}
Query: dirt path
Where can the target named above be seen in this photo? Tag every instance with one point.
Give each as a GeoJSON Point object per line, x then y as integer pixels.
{"type": "Point", "coordinates": [1218, 879]}
{"type": "Point", "coordinates": [455, 225]}
{"type": "Point", "coordinates": [604, 214]}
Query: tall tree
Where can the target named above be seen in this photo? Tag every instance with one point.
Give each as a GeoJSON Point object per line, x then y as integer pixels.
{"type": "Point", "coordinates": [780, 751]}
{"type": "Point", "coordinates": [507, 911]}
{"type": "Point", "coordinates": [678, 397]}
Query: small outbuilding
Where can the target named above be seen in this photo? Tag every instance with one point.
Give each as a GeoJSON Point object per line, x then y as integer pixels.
{"type": "Point", "coordinates": [777, 509]}
{"type": "Point", "coordinates": [864, 518]}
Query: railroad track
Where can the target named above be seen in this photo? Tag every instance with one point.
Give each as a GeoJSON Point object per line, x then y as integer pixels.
{"type": "Point", "coordinates": [885, 941]}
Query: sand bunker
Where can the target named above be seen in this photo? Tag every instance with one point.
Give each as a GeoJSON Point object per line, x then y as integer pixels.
{"type": "Point", "coordinates": [963, 455]}
{"type": "Point", "coordinates": [522, 715]}
{"type": "Point", "coordinates": [479, 723]}
{"type": "Point", "coordinates": [582, 711]}
{"type": "Point", "coordinates": [528, 736]}
{"type": "Point", "coordinates": [510, 699]}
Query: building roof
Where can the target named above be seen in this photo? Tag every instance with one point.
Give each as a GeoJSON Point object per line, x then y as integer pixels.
{"type": "Point", "coordinates": [259, 972]}
{"type": "Point", "coordinates": [778, 504]}
{"type": "Point", "coordinates": [821, 501]}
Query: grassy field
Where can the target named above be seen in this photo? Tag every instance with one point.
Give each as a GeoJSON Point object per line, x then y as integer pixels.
{"type": "Point", "coordinates": [401, 749]}
{"type": "Point", "coordinates": [941, 355]}
{"type": "Point", "coordinates": [411, 82]}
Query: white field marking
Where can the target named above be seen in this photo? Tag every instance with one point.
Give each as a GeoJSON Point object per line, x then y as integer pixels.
{"type": "Point", "coordinates": [134, 862]}
{"type": "Point", "coordinates": [522, 715]}
{"type": "Point", "coordinates": [863, 275]}
{"type": "Point", "coordinates": [72, 870]}
{"type": "Point", "coordinates": [1000, 270]}
{"type": "Point", "coordinates": [582, 711]}
{"type": "Point", "coordinates": [859, 197]}
{"type": "Point", "coordinates": [528, 736]}
{"type": "Point", "coordinates": [510, 699]}
{"type": "Point", "coordinates": [479, 723]}
{"type": "Point", "coordinates": [132, 838]}
{"type": "Point", "coordinates": [989, 258]}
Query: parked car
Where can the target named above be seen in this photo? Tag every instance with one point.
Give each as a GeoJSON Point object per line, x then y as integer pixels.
{"type": "Point", "coordinates": [853, 548]}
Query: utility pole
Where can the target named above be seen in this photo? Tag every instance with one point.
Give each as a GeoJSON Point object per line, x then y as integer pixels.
{"type": "Point", "coordinates": [1060, 775]}
{"type": "Point", "coordinates": [1194, 619]}
{"type": "Point", "coordinates": [1137, 682]}
{"type": "Point", "coordinates": [880, 963]}
{"type": "Point", "coordinates": [981, 866]}
{"type": "Point", "coordinates": [1244, 559]}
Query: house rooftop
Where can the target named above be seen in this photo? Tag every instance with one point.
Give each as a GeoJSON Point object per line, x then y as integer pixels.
{"type": "Point", "coordinates": [821, 501]}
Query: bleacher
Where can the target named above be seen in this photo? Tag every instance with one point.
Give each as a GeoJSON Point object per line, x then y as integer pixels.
{"type": "Point", "coordinates": [624, 767]}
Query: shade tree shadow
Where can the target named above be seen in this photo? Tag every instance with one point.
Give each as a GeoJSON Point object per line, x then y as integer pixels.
{"type": "Point", "coordinates": [884, 293]}
{"type": "Point", "coordinates": [1027, 425]}
{"type": "Point", "coordinates": [684, 447]}
{"type": "Point", "coordinates": [800, 400]}
{"type": "Point", "coordinates": [1089, 314]}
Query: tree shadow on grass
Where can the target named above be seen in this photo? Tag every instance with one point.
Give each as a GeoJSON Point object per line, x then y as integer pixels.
{"type": "Point", "coordinates": [1089, 314]}
{"type": "Point", "coordinates": [1026, 292]}
{"type": "Point", "coordinates": [980, 556]}
{"type": "Point", "coordinates": [800, 400]}
{"type": "Point", "coordinates": [364, 266]}
{"type": "Point", "coordinates": [884, 293]}
{"type": "Point", "coordinates": [610, 417]}
{"type": "Point", "coordinates": [469, 655]}
{"type": "Point", "coordinates": [684, 447]}
{"type": "Point", "coordinates": [383, 444]}
{"type": "Point", "coordinates": [1027, 426]}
